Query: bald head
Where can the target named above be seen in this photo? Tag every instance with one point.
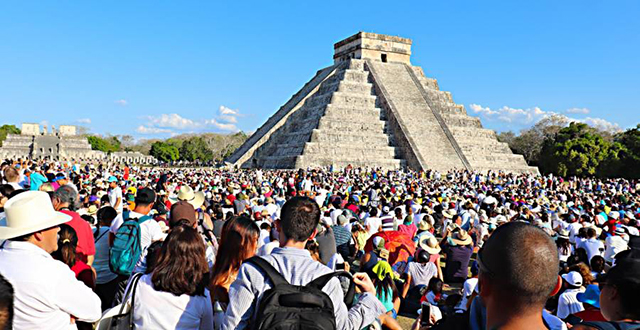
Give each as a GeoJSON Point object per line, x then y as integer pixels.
{"type": "Point", "coordinates": [521, 263]}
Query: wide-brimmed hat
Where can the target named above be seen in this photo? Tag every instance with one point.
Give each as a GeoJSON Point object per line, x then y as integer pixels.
{"type": "Point", "coordinates": [424, 225]}
{"type": "Point", "coordinates": [563, 234]}
{"type": "Point", "coordinates": [590, 296]}
{"type": "Point", "coordinates": [429, 244]}
{"type": "Point", "coordinates": [185, 193]}
{"type": "Point", "coordinates": [28, 213]}
{"type": "Point", "coordinates": [449, 214]}
{"type": "Point", "coordinates": [92, 209]}
{"type": "Point", "coordinates": [461, 237]}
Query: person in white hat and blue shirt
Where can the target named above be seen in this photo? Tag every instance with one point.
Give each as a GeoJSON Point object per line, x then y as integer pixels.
{"type": "Point", "coordinates": [568, 302]}
{"type": "Point", "coordinates": [47, 293]}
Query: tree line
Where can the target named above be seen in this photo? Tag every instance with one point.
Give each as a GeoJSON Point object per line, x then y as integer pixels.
{"type": "Point", "coordinates": [577, 149]}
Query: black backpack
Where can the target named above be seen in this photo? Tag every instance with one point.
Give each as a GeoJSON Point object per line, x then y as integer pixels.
{"type": "Point", "coordinates": [288, 307]}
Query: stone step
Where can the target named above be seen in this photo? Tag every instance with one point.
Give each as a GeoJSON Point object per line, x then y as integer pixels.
{"type": "Point", "coordinates": [349, 151]}
{"type": "Point", "coordinates": [329, 123]}
{"type": "Point", "coordinates": [373, 139]}
{"type": "Point", "coordinates": [349, 113]}
{"type": "Point", "coordinates": [354, 75]}
{"type": "Point", "coordinates": [461, 120]}
{"type": "Point", "coordinates": [472, 132]}
{"type": "Point", "coordinates": [353, 100]}
{"type": "Point", "coordinates": [312, 161]}
{"type": "Point", "coordinates": [355, 64]}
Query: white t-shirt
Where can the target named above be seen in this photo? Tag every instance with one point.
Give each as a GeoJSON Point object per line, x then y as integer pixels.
{"type": "Point", "coordinates": [568, 303]}
{"type": "Point", "coordinates": [593, 246]}
{"type": "Point", "coordinates": [163, 310]}
{"type": "Point", "coordinates": [373, 223]}
{"type": "Point", "coordinates": [469, 286]}
{"type": "Point", "coordinates": [114, 194]}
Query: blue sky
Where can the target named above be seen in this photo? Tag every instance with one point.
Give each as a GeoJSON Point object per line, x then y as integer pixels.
{"type": "Point", "coordinates": [156, 68]}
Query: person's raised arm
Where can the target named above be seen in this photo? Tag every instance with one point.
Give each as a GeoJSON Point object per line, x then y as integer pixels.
{"type": "Point", "coordinates": [364, 312]}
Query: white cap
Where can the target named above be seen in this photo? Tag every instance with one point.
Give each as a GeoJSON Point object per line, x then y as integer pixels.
{"type": "Point", "coordinates": [573, 278]}
{"type": "Point", "coordinates": [614, 214]}
{"type": "Point", "coordinates": [326, 221]}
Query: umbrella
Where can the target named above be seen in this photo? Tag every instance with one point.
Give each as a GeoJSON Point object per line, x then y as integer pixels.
{"type": "Point", "coordinates": [400, 245]}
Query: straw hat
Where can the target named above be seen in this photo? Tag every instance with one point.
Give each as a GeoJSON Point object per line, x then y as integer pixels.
{"type": "Point", "coordinates": [461, 237]}
{"type": "Point", "coordinates": [188, 195]}
{"type": "Point", "coordinates": [563, 234]}
{"type": "Point", "coordinates": [429, 244]}
{"type": "Point", "coordinates": [424, 225]}
{"type": "Point", "coordinates": [28, 213]}
{"type": "Point", "coordinates": [449, 214]}
{"type": "Point", "coordinates": [93, 209]}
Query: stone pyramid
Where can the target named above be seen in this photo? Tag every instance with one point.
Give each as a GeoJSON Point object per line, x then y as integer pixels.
{"type": "Point", "coordinates": [372, 108]}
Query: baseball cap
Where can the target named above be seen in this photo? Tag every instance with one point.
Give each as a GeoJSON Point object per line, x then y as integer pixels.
{"type": "Point", "coordinates": [112, 179]}
{"type": "Point", "coordinates": [573, 278]}
{"type": "Point", "coordinates": [145, 196]}
{"type": "Point", "coordinates": [590, 296]}
{"type": "Point", "coordinates": [182, 211]}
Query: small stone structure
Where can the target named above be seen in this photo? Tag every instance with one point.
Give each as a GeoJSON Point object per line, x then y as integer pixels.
{"type": "Point", "coordinates": [63, 145]}
{"type": "Point", "coordinates": [372, 108]}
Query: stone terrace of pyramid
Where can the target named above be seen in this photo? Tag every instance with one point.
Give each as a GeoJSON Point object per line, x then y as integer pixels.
{"type": "Point", "coordinates": [372, 108]}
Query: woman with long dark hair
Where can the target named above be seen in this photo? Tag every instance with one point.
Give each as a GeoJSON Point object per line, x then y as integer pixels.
{"type": "Point", "coordinates": [174, 294]}
{"type": "Point", "coordinates": [67, 245]}
{"type": "Point", "coordinates": [238, 242]}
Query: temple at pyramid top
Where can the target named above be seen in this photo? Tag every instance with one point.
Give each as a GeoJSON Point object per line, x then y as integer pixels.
{"type": "Point", "coordinates": [373, 108]}
{"type": "Point", "coordinates": [373, 46]}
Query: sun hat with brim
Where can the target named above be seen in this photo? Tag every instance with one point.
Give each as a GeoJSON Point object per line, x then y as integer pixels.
{"type": "Point", "coordinates": [573, 278]}
{"type": "Point", "coordinates": [461, 238]}
{"type": "Point", "coordinates": [28, 213]}
{"type": "Point", "coordinates": [424, 225]}
{"type": "Point", "coordinates": [590, 296]}
{"type": "Point", "coordinates": [185, 193]}
{"type": "Point", "coordinates": [563, 234]}
{"type": "Point", "coordinates": [449, 214]}
{"type": "Point", "coordinates": [429, 244]}
{"type": "Point", "coordinates": [93, 209]}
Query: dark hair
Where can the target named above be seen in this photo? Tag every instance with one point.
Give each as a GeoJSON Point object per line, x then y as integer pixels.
{"type": "Point", "coordinates": [106, 215]}
{"type": "Point", "coordinates": [6, 304]}
{"type": "Point", "coordinates": [299, 218]}
{"type": "Point", "coordinates": [597, 263]}
{"type": "Point", "coordinates": [238, 241]}
{"type": "Point", "coordinates": [435, 285]}
{"type": "Point", "coordinates": [67, 244]}
{"type": "Point", "coordinates": [182, 264]}
{"type": "Point", "coordinates": [521, 258]}
{"type": "Point", "coordinates": [423, 257]}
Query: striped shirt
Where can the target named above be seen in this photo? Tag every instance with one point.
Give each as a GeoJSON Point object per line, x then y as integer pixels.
{"type": "Point", "coordinates": [342, 235]}
{"type": "Point", "coordinates": [388, 223]}
{"type": "Point", "coordinates": [298, 268]}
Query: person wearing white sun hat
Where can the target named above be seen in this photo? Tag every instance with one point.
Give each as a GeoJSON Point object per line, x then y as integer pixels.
{"type": "Point", "coordinates": [47, 293]}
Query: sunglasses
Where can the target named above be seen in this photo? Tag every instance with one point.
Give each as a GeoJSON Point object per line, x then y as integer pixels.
{"type": "Point", "coordinates": [482, 266]}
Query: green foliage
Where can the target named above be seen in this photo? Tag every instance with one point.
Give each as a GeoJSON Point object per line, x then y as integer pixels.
{"type": "Point", "coordinates": [7, 129]}
{"type": "Point", "coordinates": [109, 144]}
{"type": "Point", "coordinates": [195, 149]}
{"type": "Point", "coordinates": [578, 150]}
{"type": "Point", "coordinates": [630, 153]}
{"type": "Point", "coordinates": [164, 151]}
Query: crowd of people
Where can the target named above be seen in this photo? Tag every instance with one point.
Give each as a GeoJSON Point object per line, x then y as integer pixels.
{"type": "Point", "coordinates": [220, 248]}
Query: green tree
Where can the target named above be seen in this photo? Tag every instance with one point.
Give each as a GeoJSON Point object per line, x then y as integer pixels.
{"type": "Point", "coordinates": [575, 150]}
{"type": "Point", "coordinates": [164, 151]}
{"type": "Point", "coordinates": [195, 148]}
{"type": "Point", "coordinates": [111, 144]}
{"type": "Point", "coordinates": [7, 129]}
{"type": "Point", "coordinates": [630, 154]}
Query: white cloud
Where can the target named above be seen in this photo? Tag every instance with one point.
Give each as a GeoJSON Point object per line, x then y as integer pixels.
{"type": "Point", "coordinates": [84, 121]}
{"type": "Point", "coordinates": [511, 115]}
{"type": "Point", "coordinates": [153, 130]}
{"type": "Point", "coordinates": [121, 102]}
{"type": "Point", "coordinates": [173, 123]}
{"type": "Point", "coordinates": [530, 116]}
{"type": "Point", "coordinates": [602, 124]}
{"type": "Point", "coordinates": [578, 110]}
{"type": "Point", "coordinates": [222, 126]}
{"type": "Point", "coordinates": [173, 120]}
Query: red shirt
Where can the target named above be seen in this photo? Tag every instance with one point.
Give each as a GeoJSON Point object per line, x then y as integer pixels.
{"type": "Point", "coordinates": [84, 273]}
{"type": "Point", "coordinates": [590, 315]}
{"type": "Point", "coordinates": [86, 246]}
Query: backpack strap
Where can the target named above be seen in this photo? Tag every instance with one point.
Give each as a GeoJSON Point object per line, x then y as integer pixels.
{"type": "Point", "coordinates": [274, 276]}
{"type": "Point", "coordinates": [321, 281]}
